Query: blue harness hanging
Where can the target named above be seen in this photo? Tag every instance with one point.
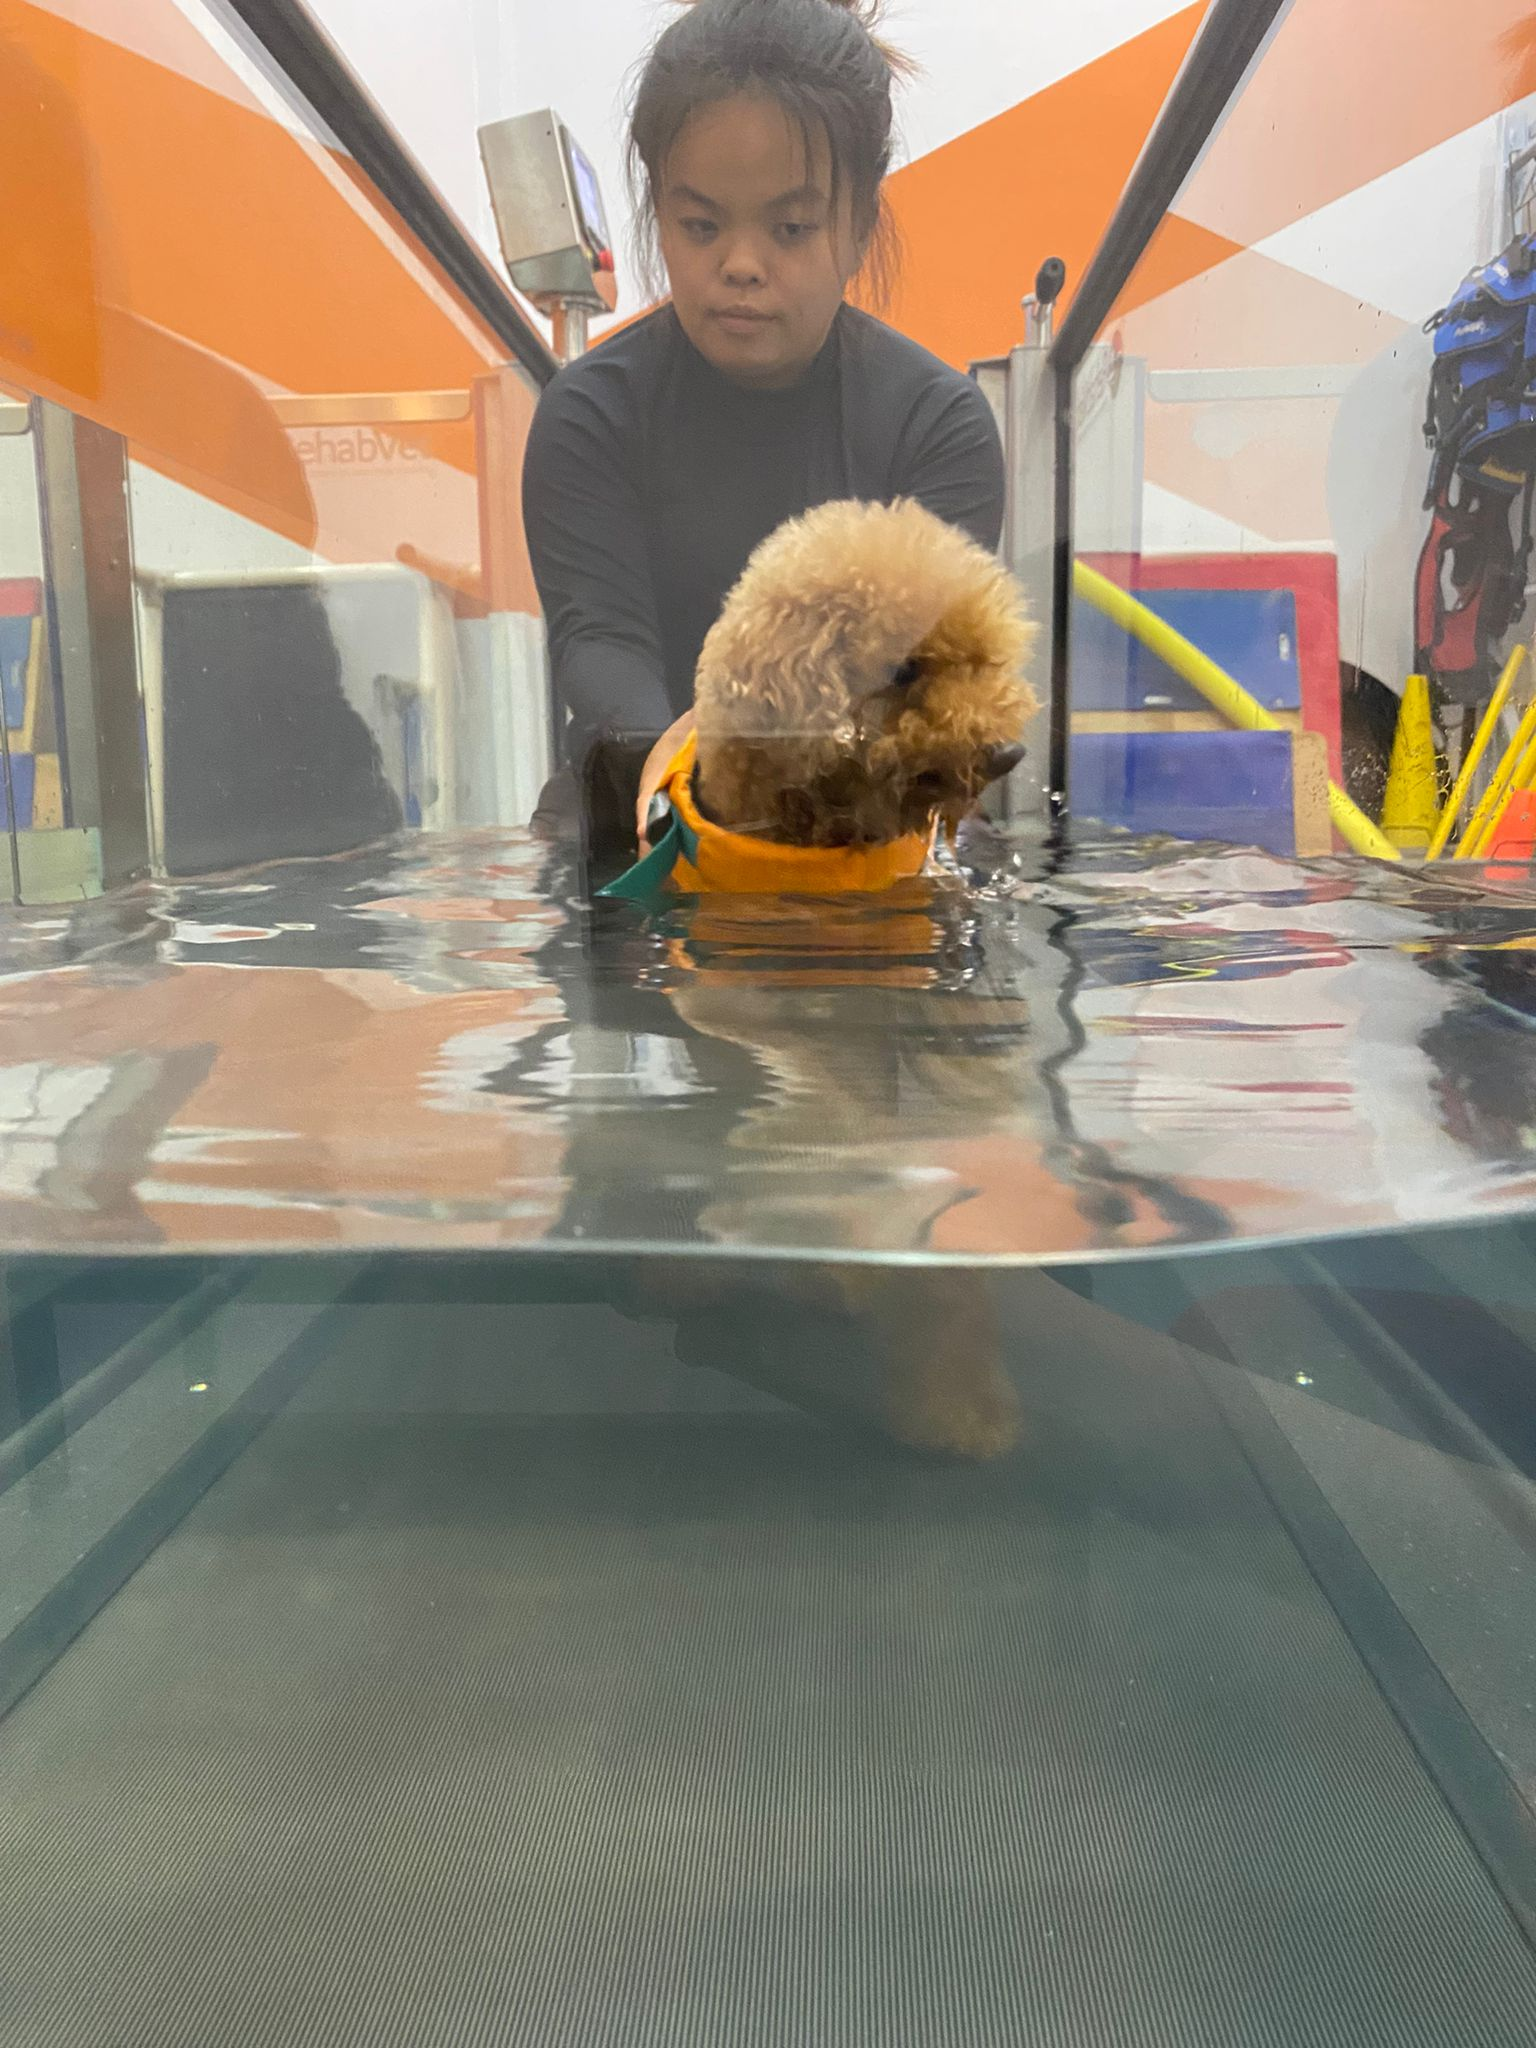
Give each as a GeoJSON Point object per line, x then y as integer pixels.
{"type": "Point", "coordinates": [1481, 426]}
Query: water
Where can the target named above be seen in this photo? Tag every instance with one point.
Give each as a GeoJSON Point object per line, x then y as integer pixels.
{"type": "Point", "coordinates": [442, 1046]}
{"type": "Point", "coordinates": [471, 1565]}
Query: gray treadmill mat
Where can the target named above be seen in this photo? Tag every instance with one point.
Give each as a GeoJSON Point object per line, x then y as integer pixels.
{"type": "Point", "coordinates": [437, 1722]}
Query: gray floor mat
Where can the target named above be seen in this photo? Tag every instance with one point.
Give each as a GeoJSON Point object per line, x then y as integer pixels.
{"type": "Point", "coordinates": [441, 1723]}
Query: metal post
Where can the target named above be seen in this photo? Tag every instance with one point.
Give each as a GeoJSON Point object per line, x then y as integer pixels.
{"type": "Point", "coordinates": [570, 318]}
{"type": "Point", "coordinates": [1232, 35]}
{"type": "Point", "coordinates": [82, 478]}
{"type": "Point", "coordinates": [11, 826]}
{"type": "Point", "coordinates": [523, 712]}
{"type": "Point", "coordinates": [1058, 785]}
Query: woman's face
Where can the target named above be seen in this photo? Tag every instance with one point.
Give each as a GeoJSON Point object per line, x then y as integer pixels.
{"type": "Point", "coordinates": [757, 261]}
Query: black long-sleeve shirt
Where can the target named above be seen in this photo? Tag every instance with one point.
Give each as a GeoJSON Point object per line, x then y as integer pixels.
{"type": "Point", "coordinates": [650, 478]}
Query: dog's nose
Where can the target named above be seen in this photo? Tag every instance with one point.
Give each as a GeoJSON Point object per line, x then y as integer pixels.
{"type": "Point", "coordinates": [1000, 761]}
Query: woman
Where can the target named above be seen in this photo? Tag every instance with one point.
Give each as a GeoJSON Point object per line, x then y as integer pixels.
{"type": "Point", "coordinates": [760, 136]}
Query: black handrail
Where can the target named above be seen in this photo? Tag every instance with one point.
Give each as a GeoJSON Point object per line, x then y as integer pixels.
{"type": "Point", "coordinates": [1063, 554]}
{"type": "Point", "coordinates": [302, 61]}
{"type": "Point", "coordinates": [1231, 36]}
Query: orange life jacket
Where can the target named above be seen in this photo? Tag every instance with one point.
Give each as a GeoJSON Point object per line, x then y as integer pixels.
{"type": "Point", "coordinates": [702, 858]}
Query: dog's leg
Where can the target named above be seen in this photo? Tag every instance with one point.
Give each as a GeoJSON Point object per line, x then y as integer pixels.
{"type": "Point", "coordinates": [938, 1338]}
{"type": "Point", "coordinates": [928, 1370]}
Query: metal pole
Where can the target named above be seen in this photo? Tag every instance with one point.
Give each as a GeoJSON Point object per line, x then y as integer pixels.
{"type": "Point", "coordinates": [1058, 784]}
{"type": "Point", "coordinates": [309, 70]}
{"type": "Point", "coordinates": [10, 803]}
{"type": "Point", "coordinates": [569, 329]}
{"type": "Point", "coordinates": [1231, 36]}
{"type": "Point", "coordinates": [82, 474]}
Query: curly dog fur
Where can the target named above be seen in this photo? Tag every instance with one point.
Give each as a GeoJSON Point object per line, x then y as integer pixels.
{"type": "Point", "coordinates": [864, 678]}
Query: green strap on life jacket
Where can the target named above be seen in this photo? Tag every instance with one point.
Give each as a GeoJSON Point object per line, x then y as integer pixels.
{"type": "Point", "coordinates": [643, 882]}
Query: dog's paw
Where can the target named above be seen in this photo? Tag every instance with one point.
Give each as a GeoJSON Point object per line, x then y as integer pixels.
{"type": "Point", "coordinates": [941, 1355]}
{"type": "Point", "coordinates": [969, 1413]}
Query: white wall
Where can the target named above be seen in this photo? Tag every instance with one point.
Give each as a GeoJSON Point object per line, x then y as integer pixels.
{"type": "Point", "coordinates": [441, 69]}
{"type": "Point", "coordinates": [1377, 462]}
{"type": "Point", "coordinates": [978, 57]}
{"type": "Point", "coordinates": [577, 59]}
{"type": "Point", "coordinates": [21, 543]}
{"type": "Point", "coordinates": [176, 529]}
{"type": "Point", "coordinates": [1400, 243]}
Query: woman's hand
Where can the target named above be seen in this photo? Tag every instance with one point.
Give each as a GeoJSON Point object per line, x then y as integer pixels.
{"type": "Point", "coordinates": [657, 762]}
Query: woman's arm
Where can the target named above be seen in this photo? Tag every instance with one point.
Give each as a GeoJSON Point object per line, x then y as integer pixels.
{"type": "Point", "coordinates": [586, 539]}
{"type": "Point", "coordinates": [951, 460]}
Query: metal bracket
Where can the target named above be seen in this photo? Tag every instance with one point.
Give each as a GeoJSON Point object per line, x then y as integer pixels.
{"type": "Point", "coordinates": [82, 476]}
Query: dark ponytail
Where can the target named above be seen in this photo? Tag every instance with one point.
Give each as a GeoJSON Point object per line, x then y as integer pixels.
{"type": "Point", "coordinates": [820, 60]}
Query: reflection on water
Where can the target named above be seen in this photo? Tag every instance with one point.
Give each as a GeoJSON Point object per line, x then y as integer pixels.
{"type": "Point", "coordinates": [439, 1044]}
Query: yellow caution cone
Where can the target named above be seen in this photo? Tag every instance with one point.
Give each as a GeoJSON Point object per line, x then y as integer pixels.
{"type": "Point", "coordinates": [1412, 803]}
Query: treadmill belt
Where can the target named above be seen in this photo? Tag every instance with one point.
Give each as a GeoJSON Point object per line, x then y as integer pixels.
{"type": "Point", "coordinates": [437, 1724]}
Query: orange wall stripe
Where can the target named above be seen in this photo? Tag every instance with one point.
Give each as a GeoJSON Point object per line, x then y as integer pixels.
{"type": "Point", "coordinates": [1346, 94]}
{"type": "Point", "coordinates": [1250, 310]}
{"type": "Point", "coordinates": [164, 250]}
{"type": "Point", "coordinates": [216, 222]}
{"type": "Point", "coordinates": [1341, 98]}
{"type": "Point", "coordinates": [978, 216]}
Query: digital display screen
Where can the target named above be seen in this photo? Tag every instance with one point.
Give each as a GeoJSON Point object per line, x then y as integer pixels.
{"type": "Point", "coordinates": [589, 201]}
